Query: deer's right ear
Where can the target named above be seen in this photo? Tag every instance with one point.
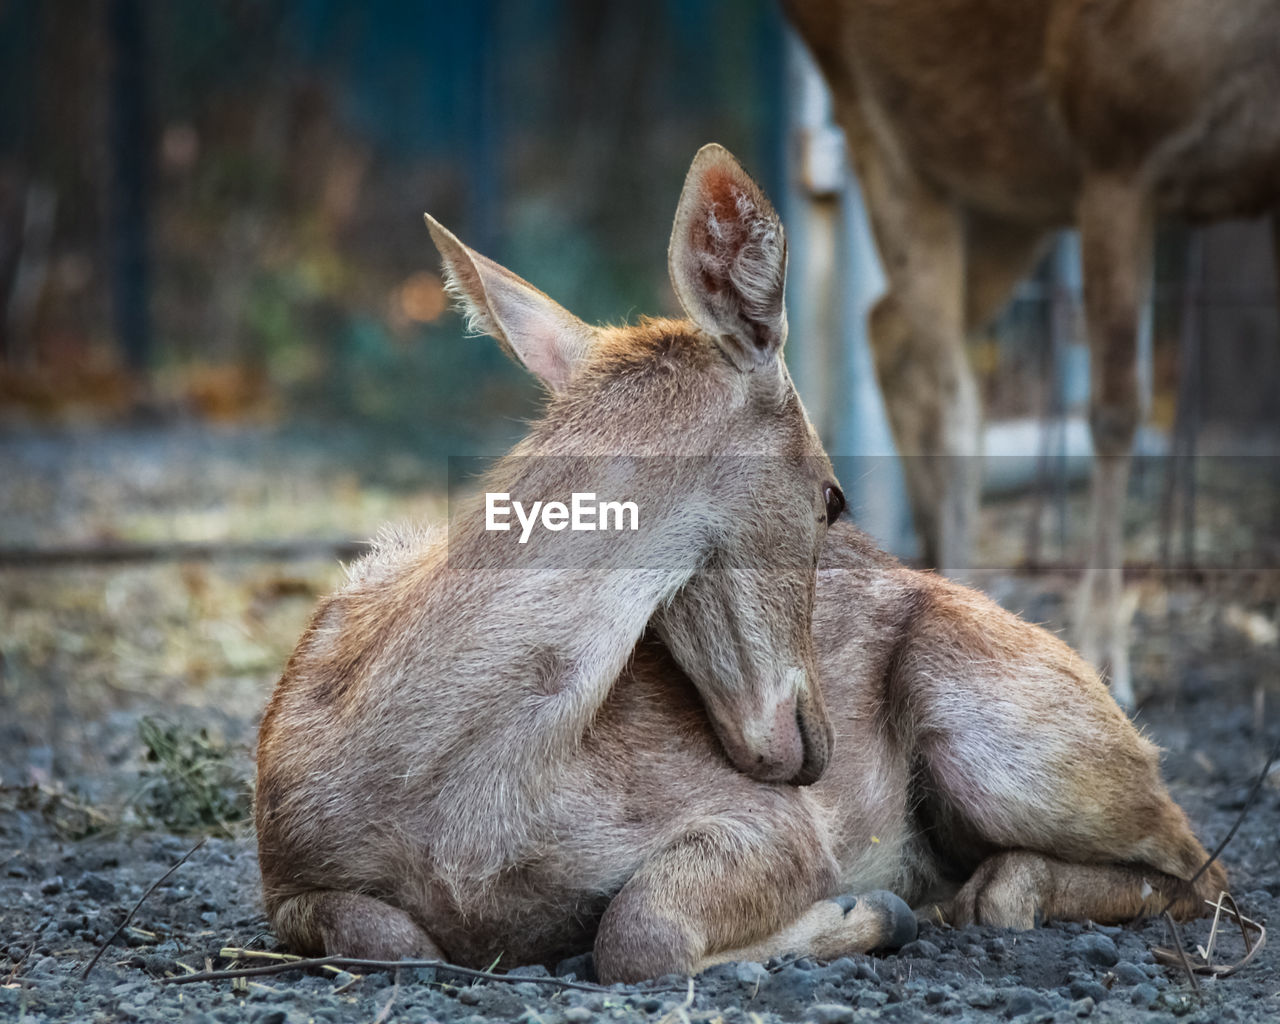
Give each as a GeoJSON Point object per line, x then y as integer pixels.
{"type": "Point", "coordinates": [539, 332]}
{"type": "Point", "coordinates": [728, 259]}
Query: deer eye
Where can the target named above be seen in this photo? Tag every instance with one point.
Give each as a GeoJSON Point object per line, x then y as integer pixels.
{"type": "Point", "coordinates": [835, 502]}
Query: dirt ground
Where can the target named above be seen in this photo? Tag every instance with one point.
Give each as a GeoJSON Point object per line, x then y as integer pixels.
{"type": "Point", "coordinates": [129, 693]}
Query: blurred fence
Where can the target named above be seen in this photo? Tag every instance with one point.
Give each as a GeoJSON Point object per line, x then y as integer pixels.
{"type": "Point", "coordinates": [228, 194]}
{"type": "Point", "coordinates": [225, 195]}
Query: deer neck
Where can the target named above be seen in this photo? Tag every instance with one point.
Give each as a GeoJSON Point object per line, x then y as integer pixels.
{"type": "Point", "coordinates": [567, 604]}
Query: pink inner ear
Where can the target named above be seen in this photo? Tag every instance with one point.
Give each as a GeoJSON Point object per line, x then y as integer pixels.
{"type": "Point", "coordinates": [718, 236]}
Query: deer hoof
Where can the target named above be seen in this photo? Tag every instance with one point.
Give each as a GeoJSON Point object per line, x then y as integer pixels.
{"type": "Point", "coordinates": [897, 920]}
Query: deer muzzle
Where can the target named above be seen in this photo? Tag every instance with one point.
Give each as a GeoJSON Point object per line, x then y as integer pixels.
{"type": "Point", "coordinates": [790, 743]}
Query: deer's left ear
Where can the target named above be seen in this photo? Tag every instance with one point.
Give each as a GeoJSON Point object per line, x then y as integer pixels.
{"type": "Point", "coordinates": [543, 335]}
{"type": "Point", "coordinates": [728, 259]}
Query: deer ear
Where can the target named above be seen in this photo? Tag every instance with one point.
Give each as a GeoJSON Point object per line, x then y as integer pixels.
{"type": "Point", "coordinates": [728, 259]}
{"type": "Point", "coordinates": [539, 332]}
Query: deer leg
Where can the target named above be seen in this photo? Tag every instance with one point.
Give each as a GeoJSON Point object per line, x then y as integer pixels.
{"type": "Point", "coordinates": [1115, 237]}
{"type": "Point", "coordinates": [930, 392]}
{"type": "Point", "coordinates": [1025, 763]}
{"type": "Point", "coordinates": [1275, 248]}
{"type": "Point", "coordinates": [327, 922]}
{"type": "Point", "coordinates": [833, 928]}
{"type": "Point", "coordinates": [917, 333]}
{"type": "Point", "coordinates": [730, 889]}
{"type": "Point", "coordinates": [1021, 889]}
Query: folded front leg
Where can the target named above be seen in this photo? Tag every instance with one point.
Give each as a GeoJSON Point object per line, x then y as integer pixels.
{"type": "Point", "coordinates": [732, 888]}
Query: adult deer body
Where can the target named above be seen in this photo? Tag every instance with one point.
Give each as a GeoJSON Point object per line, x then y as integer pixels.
{"type": "Point", "coordinates": [468, 761]}
{"type": "Point", "coordinates": [978, 126]}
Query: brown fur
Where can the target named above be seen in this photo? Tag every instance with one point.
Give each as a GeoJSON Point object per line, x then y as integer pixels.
{"type": "Point", "coordinates": [1042, 802]}
{"type": "Point", "coordinates": [467, 757]}
{"type": "Point", "coordinates": [420, 738]}
{"type": "Point", "coordinates": [977, 127]}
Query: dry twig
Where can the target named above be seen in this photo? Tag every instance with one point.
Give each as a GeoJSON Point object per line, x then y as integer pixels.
{"type": "Point", "coordinates": [129, 916]}
{"type": "Point", "coordinates": [388, 965]}
{"type": "Point", "coordinates": [1177, 956]}
{"type": "Point", "coordinates": [1224, 904]}
{"type": "Point", "coordinates": [1244, 811]}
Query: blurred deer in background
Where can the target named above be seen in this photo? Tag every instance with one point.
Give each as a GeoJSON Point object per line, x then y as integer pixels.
{"type": "Point", "coordinates": [468, 759]}
{"type": "Point", "coordinates": [976, 127]}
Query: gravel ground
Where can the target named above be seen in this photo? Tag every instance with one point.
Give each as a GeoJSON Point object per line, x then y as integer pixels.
{"type": "Point", "coordinates": [79, 845]}
{"type": "Point", "coordinates": [60, 898]}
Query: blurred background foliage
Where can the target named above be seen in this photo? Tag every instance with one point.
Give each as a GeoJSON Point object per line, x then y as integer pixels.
{"type": "Point", "coordinates": [219, 202]}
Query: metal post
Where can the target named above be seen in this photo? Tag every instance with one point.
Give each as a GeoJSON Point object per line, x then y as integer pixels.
{"type": "Point", "coordinates": [834, 279]}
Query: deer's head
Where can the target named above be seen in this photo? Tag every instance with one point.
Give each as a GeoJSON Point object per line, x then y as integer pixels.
{"type": "Point", "coordinates": [738, 486]}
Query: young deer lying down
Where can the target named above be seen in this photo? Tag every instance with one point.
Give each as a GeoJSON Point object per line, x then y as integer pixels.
{"type": "Point", "coordinates": [421, 768]}
{"type": "Point", "coordinates": [464, 765]}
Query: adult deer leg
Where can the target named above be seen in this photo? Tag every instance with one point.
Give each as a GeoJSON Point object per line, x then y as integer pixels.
{"type": "Point", "coordinates": [1115, 237]}
{"type": "Point", "coordinates": [917, 332]}
{"type": "Point", "coordinates": [733, 888]}
{"type": "Point", "coordinates": [1275, 248]}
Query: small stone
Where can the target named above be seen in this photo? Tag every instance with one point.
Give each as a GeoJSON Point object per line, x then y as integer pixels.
{"type": "Point", "coordinates": [1083, 1007]}
{"type": "Point", "coordinates": [469, 996]}
{"type": "Point", "coordinates": [1024, 1000]}
{"type": "Point", "coordinates": [750, 973]}
{"type": "Point", "coordinates": [830, 1013]}
{"type": "Point", "coordinates": [1179, 1003]}
{"type": "Point", "coordinates": [269, 1017]}
{"type": "Point", "coordinates": [1088, 989]}
{"type": "Point", "coordinates": [158, 965]}
{"type": "Point", "coordinates": [1096, 949]}
{"type": "Point", "coordinates": [934, 996]}
{"type": "Point", "coordinates": [1129, 974]}
{"type": "Point", "coordinates": [845, 967]}
{"type": "Point", "coordinates": [125, 987]}
{"type": "Point", "coordinates": [794, 983]}
{"type": "Point", "coordinates": [529, 971]}
{"type": "Point", "coordinates": [133, 937]}
{"type": "Point", "coordinates": [45, 965]}
{"type": "Point", "coordinates": [867, 973]}
{"type": "Point", "coordinates": [581, 966]}
{"type": "Point", "coordinates": [51, 886]}
{"type": "Point", "coordinates": [982, 998]}
{"type": "Point", "coordinates": [922, 948]}
{"type": "Point", "coordinates": [577, 1015]}
{"type": "Point", "coordinates": [1143, 995]}
{"type": "Point", "coordinates": [96, 887]}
